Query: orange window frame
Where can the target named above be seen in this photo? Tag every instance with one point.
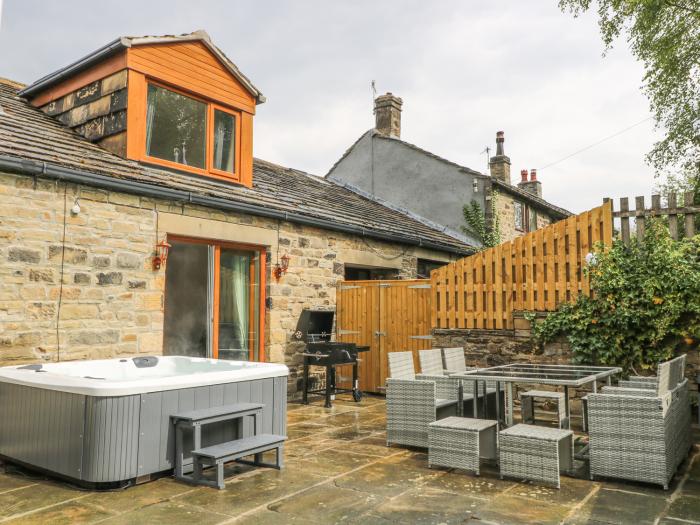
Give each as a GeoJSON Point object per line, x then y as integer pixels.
{"type": "Point", "coordinates": [236, 145]}
{"type": "Point", "coordinates": [262, 253]}
{"type": "Point", "coordinates": [209, 169]}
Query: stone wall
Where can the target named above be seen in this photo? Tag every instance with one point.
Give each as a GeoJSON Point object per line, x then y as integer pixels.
{"type": "Point", "coordinates": [505, 207]}
{"type": "Point", "coordinates": [111, 301]}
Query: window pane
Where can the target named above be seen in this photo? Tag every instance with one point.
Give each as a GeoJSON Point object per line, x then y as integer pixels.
{"type": "Point", "coordinates": [176, 127]}
{"type": "Point", "coordinates": [224, 140]}
{"type": "Point", "coordinates": [518, 215]}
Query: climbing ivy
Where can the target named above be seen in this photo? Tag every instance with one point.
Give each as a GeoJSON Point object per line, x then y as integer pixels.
{"type": "Point", "coordinates": [477, 226]}
{"type": "Point", "coordinates": [644, 305]}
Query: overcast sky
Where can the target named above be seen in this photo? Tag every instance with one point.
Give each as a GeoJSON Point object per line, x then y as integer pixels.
{"type": "Point", "coordinates": [464, 69]}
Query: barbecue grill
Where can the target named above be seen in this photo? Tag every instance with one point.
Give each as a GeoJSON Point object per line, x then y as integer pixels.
{"type": "Point", "coordinates": [315, 328]}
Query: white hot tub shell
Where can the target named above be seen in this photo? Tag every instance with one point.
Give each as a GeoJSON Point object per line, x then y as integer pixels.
{"type": "Point", "coordinates": [108, 421]}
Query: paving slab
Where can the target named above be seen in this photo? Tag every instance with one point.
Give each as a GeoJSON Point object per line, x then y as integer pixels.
{"type": "Point", "coordinates": [249, 492]}
{"type": "Point", "coordinates": [168, 513]}
{"type": "Point", "coordinates": [507, 509]}
{"type": "Point", "coordinates": [571, 492]}
{"type": "Point", "coordinates": [14, 482]}
{"type": "Point", "coordinates": [139, 496]}
{"type": "Point", "coordinates": [389, 477]}
{"type": "Point", "coordinates": [461, 482]}
{"type": "Point", "coordinates": [269, 517]}
{"type": "Point", "coordinates": [21, 501]}
{"type": "Point", "coordinates": [685, 508]}
{"type": "Point", "coordinates": [363, 447]}
{"type": "Point", "coordinates": [620, 507]}
{"type": "Point", "coordinates": [71, 513]}
{"type": "Point", "coordinates": [326, 504]}
{"type": "Point", "coordinates": [328, 462]}
{"type": "Point", "coordinates": [423, 506]}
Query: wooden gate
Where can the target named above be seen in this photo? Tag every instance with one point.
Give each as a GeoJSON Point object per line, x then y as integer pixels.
{"type": "Point", "coordinates": [387, 316]}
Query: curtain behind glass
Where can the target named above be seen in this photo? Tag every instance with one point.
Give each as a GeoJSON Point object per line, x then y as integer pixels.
{"type": "Point", "coordinates": [234, 304]}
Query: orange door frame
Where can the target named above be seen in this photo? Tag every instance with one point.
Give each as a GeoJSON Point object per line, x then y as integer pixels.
{"type": "Point", "coordinates": [261, 251]}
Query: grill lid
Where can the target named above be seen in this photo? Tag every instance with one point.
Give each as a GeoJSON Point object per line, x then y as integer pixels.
{"type": "Point", "coordinates": [315, 325]}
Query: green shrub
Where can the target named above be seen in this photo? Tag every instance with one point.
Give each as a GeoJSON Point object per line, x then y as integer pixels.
{"type": "Point", "coordinates": [644, 306]}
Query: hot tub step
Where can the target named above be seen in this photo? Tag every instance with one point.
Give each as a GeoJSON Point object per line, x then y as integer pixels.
{"type": "Point", "coordinates": [217, 455]}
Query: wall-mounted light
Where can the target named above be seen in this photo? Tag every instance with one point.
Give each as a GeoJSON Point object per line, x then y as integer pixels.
{"type": "Point", "coordinates": [475, 186]}
{"type": "Point", "coordinates": [75, 210]}
{"type": "Point", "coordinates": [162, 249]}
{"type": "Point", "coordinates": [281, 267]}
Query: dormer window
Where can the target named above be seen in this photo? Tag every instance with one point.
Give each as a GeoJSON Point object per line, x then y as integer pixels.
{"type": "Point", "coordinates": [189, 133]}
{"type": "Point", "coordinates": [172, 101]}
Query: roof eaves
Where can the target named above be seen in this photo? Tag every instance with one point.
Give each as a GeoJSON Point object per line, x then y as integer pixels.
{"type": "Point", "coordinates": [423, 220]}
{"type": "Point", "coordinates": [533, 199]}
{"type": "Point", "coordinates": [75, 67]}
{"type": "Point", "coordinates": [128, 41]}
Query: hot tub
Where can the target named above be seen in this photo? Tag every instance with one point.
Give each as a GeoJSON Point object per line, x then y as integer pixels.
{"type": "Point", "coordinates": [108, 421]}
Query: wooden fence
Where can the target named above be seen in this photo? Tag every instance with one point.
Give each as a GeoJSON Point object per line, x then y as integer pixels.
{"type": "Point", "coordinates": [679, 215]}
{"type": "Point", "coordinates": [387, 316]}
{"type": "Point", "coordinates": [534, 272]}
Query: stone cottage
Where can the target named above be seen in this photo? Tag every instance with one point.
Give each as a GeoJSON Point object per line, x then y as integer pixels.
{"type": "Point", "coordinates": [135, 220]}
{"type": "Point", "coordinates": [384, 167]}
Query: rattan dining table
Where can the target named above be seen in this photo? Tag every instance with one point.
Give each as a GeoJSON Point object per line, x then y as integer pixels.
{"type": "Point", "coordinates": [565, 376]}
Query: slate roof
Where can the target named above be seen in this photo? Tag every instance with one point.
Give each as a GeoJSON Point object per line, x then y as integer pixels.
{"type": "Point", "coordinates": [526, 196]}
{"type": "Point", "coordinates": [27, 133]}
{"type": "Point", "coordinates": [124, 42]}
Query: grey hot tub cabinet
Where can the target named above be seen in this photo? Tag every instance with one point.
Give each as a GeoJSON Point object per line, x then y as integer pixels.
{"type": "Point", "coordinates": [96, 440]}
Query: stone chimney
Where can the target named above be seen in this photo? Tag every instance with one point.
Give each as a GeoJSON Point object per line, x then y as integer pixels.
{"type": "Point", "coordinates": [533, 185]}
{"type": "Point", "coordinates": [499, 164]}
{"type": "Point", "coordinates": [387, 114]}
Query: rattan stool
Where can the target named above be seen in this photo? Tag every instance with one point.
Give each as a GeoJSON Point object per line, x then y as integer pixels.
{"type": "Point", "coordinates": [536, 453]}
{"type": "Point", "coordinates": [460, 442]}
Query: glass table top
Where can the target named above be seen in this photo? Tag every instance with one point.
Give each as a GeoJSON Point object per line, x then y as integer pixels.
{"type": "Point", "coordinates": [572, 375]}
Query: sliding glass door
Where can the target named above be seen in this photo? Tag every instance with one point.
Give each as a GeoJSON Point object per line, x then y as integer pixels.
{"type": "Point", "coordinates": [214, 300]}
{"type": "Point", "coordinates": [238, 319]}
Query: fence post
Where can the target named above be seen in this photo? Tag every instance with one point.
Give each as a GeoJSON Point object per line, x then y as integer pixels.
{"type": "Point", "coordinates": [689, 217]}
{"type": "Point", "coordinates": [672, 216]}
{"type": "Point", "coordinates": [639, 215]}
{"type": "Point", "coordinates": [624, 220]}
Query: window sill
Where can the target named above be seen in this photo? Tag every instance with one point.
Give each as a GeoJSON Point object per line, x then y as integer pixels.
{"type": "Point", "coordinates": [183, 168]}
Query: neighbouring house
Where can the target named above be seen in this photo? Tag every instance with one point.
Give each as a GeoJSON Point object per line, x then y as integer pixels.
{"type": "Point", "coordinates": [407, 178]}
{"type": "Point", "coordinates": [145, 143]}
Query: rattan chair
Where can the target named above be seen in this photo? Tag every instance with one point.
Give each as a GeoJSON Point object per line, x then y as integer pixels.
{"type": "Point", "coordinates": [454, 360]}
{"type": "Point", "coordinates": [413, 403]}
{"type": "Point", "coordinates": [641, 434]}
{"type": "Point", "coordinates": [431, 362]}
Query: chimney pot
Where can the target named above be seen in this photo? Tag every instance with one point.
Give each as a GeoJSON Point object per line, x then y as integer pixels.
{"type": "Point", "coordinates": [533, 174]}
{"type": "Point", "coordinates": [523, 175]}
{"type": "Point", "coordinates": [387, 114]}
{"type": "Point", "coordinates": [500, 139]}
{"type": "Point", "coordinates": [499, 164]}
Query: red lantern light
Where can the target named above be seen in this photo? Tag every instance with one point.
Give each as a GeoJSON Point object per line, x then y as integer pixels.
{"type": "Point", "coordinates": [281, 269]}
{"type": "Point", "coordinates": [161, 255]}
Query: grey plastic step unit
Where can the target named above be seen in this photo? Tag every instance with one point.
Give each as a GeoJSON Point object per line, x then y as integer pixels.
{"type": "Point", "coordinates": [238, 446]}
{"type": "Point", "coordinates": [195, 421]}
{"type": "Point", "coordinates": [221, 413]}
{"type": "Point", "coordinates": [217, 455]}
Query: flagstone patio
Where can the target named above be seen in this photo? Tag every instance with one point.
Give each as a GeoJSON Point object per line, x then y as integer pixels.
{"type": "Point", "coordinates": [339, 470]}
